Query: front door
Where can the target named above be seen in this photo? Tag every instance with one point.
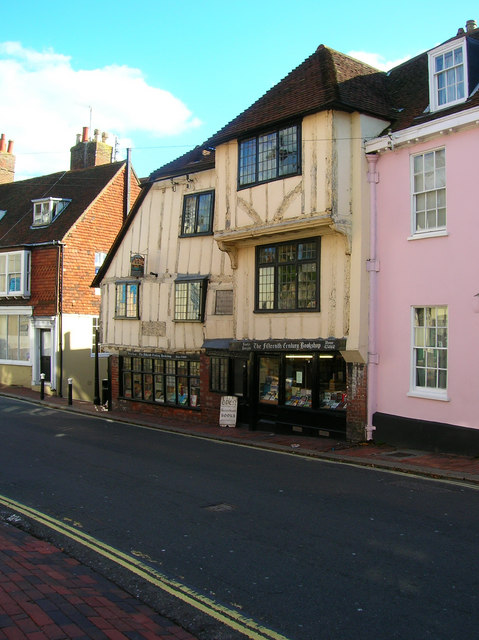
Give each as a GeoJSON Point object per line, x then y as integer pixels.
{"type": "Point", "coordinates": [45, 344]}
{"type": "Point", "coordinates": [240, 389]}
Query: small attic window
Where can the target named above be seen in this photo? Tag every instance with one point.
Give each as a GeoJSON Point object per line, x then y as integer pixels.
{"type": "Point", "coordinates": [448, 81]}
{"type": "Point", "coordinates": [2, 213]}
{"type": "Point", "coordinates": [46, 210]}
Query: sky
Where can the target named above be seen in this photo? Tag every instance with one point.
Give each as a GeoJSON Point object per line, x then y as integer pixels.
{"type": "Point", "coordinates": [161, 77]}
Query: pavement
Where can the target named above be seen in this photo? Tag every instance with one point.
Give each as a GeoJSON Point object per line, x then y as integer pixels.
{"type": "Point", "coordinates": [47, 595]}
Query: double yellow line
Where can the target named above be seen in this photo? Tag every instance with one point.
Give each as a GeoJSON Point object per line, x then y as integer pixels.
{"type": "Point", "coordinates": [233, 619]}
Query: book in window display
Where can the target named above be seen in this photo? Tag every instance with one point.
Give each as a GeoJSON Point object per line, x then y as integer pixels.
{"type": "Point", "coordinates": [334, 400]}
{"type": "Point", "coordinates": [148, 386]}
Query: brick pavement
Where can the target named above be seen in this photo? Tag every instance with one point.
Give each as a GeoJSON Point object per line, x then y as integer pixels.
{"type": "Point", "coordinates": [46, 595]}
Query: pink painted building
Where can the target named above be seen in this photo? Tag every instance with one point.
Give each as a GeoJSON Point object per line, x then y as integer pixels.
{"type": "Point", "coordinates": [424, 273]}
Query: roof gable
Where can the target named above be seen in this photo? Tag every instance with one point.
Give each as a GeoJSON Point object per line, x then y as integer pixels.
{"type": "Point", "coordinates": [327, 79]}
{"type": "Point", "coordinates": [81, 187]}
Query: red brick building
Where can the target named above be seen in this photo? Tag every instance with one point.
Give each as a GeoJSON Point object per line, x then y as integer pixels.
{"type": "Point", "coordinates": [55, 231]}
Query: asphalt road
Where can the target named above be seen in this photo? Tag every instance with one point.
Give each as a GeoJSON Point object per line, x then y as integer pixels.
{"type": "Point", "coordinates": [311, 549]}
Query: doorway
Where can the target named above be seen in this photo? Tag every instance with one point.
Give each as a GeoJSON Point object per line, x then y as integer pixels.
{"type": "Point", "coordinates": [45, 347]}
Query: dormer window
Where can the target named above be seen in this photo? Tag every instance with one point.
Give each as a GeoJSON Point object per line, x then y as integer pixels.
{"type": "Point", "coordinates": [448, 80]}
{"type": "Point", "coordinates": [46, 210]}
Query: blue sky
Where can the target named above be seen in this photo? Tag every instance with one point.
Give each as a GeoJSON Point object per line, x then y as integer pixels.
{"type": "Point", "coordinates": [161, 77]}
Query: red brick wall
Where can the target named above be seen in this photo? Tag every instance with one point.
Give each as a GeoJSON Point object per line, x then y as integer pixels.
{"type": "Point", "coordinates": [210, 402]}
{"type": "Point", "coordinates": [95, 231]}
{"type": "Point", "coordinates": [43, 284]}
{"type": "Point", "coordinates": [357, 410]}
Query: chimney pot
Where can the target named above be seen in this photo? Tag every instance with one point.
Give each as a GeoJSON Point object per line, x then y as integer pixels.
{"type": "Point", "coordinates": [471, 25]}
{"type": "Point", "coordinates": [2, 142]}
{"type": "Point", "coordinates": [85, 134]}
{"type": "Point", "coordinates": [10, 146]}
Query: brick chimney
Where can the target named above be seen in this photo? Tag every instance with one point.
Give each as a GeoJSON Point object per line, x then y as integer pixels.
{"type": "Point", "coordinates": [7, 161]}
{"type": "Point", "coordinates": [90, 153]}
{"type": "Point", "coordinates": [471, 25]}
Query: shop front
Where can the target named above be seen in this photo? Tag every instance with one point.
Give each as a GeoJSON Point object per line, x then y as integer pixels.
{"type": "Point", "coordinates": [288, 385]}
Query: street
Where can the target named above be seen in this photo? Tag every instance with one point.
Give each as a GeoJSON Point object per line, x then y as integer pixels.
{"type": "Point", "coordinates": [307, 548]}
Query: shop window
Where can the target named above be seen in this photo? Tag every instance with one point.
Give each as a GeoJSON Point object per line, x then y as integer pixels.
{"type": "Point", "coordinates": [14, 338]}
{"type": "Point", "coordinates": [298, 382]}
{"type": "Point", "coordinates": [269, 368]}
{"type": "Point", "coordinates": [287, 276]}
{"type": "Point", "coordinates": [332, 381]}
{"type": "Point", "coordinates": [161, 380]}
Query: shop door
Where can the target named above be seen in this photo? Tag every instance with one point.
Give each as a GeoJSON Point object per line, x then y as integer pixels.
{"type": "Point", "coordinates": [240, 390]}
{"type": "Point", "coordinates": [45, 342]}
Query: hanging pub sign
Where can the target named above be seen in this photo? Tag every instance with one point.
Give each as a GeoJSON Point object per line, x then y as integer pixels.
{"type": "Point", "coordinates": [137, 265]}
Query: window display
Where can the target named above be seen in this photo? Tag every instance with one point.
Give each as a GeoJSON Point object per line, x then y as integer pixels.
{"type": "Point", "coordinates": [161, 380]}
{"type": "Point", "coordinates": [268, 379]}
{"type": "Point", "coordinates": [332, 382]}
{"type": "Point", "coordinates": [298, 381]}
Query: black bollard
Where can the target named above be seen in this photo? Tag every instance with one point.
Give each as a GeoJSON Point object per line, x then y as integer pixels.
{"type": "Point", "coordinates": [42, 386]}
{"type": "Point", "coordinates": [70, 391]}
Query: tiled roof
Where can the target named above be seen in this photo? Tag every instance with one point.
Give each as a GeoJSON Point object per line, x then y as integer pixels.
{"type": "Point", "coordinates": [331, 80]}
{"type": "Point", "coordinates": [81, 186]}
{"type": "Point", "coordinates": [326, 80]}
{"type": "Point", "coordinates": [198, 159]}
{"type": "Point", "coordinates": [408, 87]}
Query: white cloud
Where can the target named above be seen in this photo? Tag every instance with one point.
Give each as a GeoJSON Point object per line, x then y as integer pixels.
{"type": "Point", "coordinates": [45, 103]}
{"type": "Point", "coordinates": [376, 60]}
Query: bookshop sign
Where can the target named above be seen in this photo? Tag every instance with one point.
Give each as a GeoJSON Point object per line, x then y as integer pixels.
{"type": "Point", "coordinates": [316, 344]}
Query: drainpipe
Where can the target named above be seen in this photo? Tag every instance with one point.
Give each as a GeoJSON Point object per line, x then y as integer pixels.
{"type": "Point", "coordinates": [126, 210]}
{"type": "Point", "coordinates": [373, 270]}
{"type": "Point", "coordinates": [60, 315]}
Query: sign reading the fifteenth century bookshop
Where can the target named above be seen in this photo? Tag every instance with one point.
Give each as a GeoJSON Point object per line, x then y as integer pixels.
{"type": "Point", "coordinates": [314, 344]}
{"type": "Point", "coordinates": [228, 411]}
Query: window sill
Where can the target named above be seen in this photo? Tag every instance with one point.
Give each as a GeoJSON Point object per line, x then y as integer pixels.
{"type": "Point", "coordinates": [17, 363]}
{"type": "Point", "coordinates": [425, 395]}
{"type": "Point", "coordinates": [157, 403]}
{"type": "Point", "coordinates": [241, 187]}
{"type": "Point", "coordinates": [429, 234]}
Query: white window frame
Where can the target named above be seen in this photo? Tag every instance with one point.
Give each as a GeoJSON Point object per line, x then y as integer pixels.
{"type": "Point", "coordinates": [444, 49]}
{"type": "Point", "coordinates": [420, 391]}
{"type": "Point", "coordinates": [99, 260]}
{"type": "Point", "coordinates": [7, 274]}
{"type": "Point", "coordinates": [24, 312]}
{"type": "Point", "coordinates": [95, 325]}
{"type": "Point", "coordinates": [46, 210]}
{"type": "Point", "coordinates": [438, 230]}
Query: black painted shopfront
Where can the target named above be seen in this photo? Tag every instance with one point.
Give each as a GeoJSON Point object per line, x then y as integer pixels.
{"type": "Point", "coordinates": [285, 385]}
